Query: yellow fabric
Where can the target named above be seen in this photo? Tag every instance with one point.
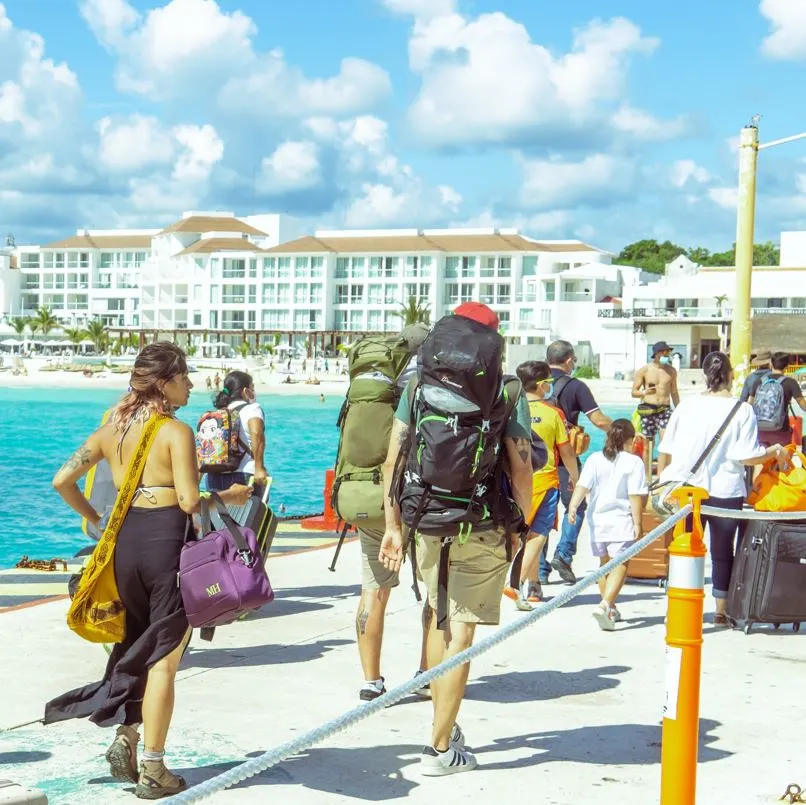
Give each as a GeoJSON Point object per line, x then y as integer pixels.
{"type": "Point", "coordinates": [96, 612]}
{"type": "Point", "coordinates": [775, 491]}
{"type": "Point", "coordinates": [549, 425]}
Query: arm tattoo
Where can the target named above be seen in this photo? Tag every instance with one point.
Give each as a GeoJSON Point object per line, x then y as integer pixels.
{"type": "Point", "coordinates": [81, 457]}
{"type": "Point", "coordinates": [404, 435]}
{"type": "Point", "coordinates": [361, 621]}
{"type": "Point", "coordinates": [524, 449]}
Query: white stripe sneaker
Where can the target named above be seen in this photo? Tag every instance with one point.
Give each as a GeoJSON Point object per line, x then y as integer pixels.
{"type": "Point", "coordinates": [452, 761]}
{"type": "Point", "coordinates": [458, 737]}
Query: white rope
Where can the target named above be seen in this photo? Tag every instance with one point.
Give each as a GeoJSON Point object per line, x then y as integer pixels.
{"type": "Point", "coordinates": [321, 733]}
{"type": "Point", "coordinates": [751, 514]}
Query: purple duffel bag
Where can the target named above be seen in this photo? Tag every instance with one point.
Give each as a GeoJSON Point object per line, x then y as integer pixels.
{"type": "Point", "coordinates": [222, 575]}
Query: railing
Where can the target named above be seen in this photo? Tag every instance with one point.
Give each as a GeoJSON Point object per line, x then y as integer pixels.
{"type": "Point", "coordinates": [530, 296]}
{"type": "Point", "coordinates": [576, 297]}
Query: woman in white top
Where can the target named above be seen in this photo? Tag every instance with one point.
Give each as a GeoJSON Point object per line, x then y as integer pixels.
{"type": "Point", "coordinates": [615, 483]}
{"type": "Point", "coordinates": [693, 425]}
{"type": "Point", "coordinates": [238, 395]}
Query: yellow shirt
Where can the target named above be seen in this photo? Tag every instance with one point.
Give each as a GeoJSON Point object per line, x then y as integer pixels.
{"type": "Point", "coordinates": [549, 425]}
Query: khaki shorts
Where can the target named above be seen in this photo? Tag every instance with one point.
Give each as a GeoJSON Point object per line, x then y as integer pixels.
{"type": "Point", "coordinates": [478, 571]}
{"type": "Point", "coordinates": [374, 576]}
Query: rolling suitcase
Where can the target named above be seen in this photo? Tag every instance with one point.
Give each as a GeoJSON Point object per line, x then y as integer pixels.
{"type": "Point", "coordinates": [768, 583]}
{"type": "Point", "coordinates": [256, 515]}
{"type": "Point", "coordinates": [652, 564]}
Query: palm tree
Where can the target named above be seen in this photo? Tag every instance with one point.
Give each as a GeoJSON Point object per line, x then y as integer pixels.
{"type": "Point", "coordinates": [720, 300]}
{"type": "Point", "coordinates": [19, 324]}
{"type": "Point", "coordinates": [75, 335]}
{"type": "Point", "coordinates": [96, 332]}
{"type": "Point", "coordinates": [33, 325]}
{"type": "Point", "coordinates": [414, 312]}
{"type": "Point", "coordinates": [46, 321]}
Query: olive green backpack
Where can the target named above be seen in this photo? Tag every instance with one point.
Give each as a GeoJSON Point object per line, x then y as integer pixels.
{"type": "Point", "coordinates": [376, 364]}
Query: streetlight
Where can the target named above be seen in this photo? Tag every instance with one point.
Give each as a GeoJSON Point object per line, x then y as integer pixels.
{"type": "Point", "coordinates": [741, 326]}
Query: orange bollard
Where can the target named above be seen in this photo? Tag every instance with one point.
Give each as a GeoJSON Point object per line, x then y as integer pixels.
{"type": "Point", "coordinates": [681, 712]}
{"type": "Point", "coordinates": [329, 521]}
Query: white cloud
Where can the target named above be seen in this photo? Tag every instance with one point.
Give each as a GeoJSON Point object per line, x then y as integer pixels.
{"type": "Point", "coordinates": [521, 87]}
{"type": "Point", "coordinates": [450, 198]}
{"type": "Point", "coordinates": [109, 20]}
{"type": "Point", "coordinates": [725, 197]}
{"type": "Point", "coordinates": [556, 182]}
{"type": "Point", "coordinates": [421, 9]}
{"type": "Point", "coordinates": [128, 146]}
{"type": "Point", "coordinates": [203, 148]}
{"type": "Point", "coordinates": [644, 126]}
{"type": "Point", "coordinates": [787, 19]}
{"type": "Point", "coordinates": [293, 166]}
{"type": "Point", "coordinates": [684, 171]}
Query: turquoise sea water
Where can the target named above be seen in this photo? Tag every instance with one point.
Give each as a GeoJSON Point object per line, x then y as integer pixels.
{"type": "Point", "coordinates": [42, 427]}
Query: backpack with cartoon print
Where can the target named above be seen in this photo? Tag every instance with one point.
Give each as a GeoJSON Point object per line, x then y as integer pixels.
{"type": "Point", "coordinates": [220, 448]}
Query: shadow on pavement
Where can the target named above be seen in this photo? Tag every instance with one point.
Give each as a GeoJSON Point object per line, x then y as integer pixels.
{"type": "Point", "coordinates": [321, 591]}
{"type": "Point", "coordinates": [592, 599]}
{"type": "Point", "coordinates": [286, 606]}
{"type": "Point", "coordinates": [640, 622]}
{"type": "Point", "coordinates": [607, 745]}
{"type": "Point", "coordinates": [10, 758]}
{"type": "Point", "coordinates": [260, 655]}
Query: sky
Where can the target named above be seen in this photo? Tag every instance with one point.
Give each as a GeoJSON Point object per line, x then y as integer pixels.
{"type": "Point", "coordinates": [605, 120]}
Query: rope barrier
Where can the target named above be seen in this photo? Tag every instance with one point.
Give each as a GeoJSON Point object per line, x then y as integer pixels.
{"type": "Point", "coordinates": [321, 733]}
{"type": "Point", "coordinates": [751, 514]}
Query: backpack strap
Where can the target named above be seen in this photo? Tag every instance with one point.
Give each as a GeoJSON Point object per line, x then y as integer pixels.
{"type": "Point", "coordinates": [560, 385]}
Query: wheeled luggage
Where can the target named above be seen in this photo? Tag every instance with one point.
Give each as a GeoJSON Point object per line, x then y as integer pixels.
{"type": "Point", "coordinates": [255, 515]}
{"type": "Point", "coordinates": [652, 564]}
{"type": "Point", "coordinates": [768, 583]}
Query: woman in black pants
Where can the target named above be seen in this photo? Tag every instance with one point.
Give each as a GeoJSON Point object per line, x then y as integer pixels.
{"type": "Point", "coordinates": [692, 428]}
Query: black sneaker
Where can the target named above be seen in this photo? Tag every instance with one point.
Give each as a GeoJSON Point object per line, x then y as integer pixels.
{"type": "Point", "coordinates": [372, 691]}
{"type": "Point", "coordinates": [544, 580]}
{"type": "Point", "coordinates": [564, 569]}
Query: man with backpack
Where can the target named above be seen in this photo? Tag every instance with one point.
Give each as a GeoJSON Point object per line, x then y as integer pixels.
{"type": "Point", "coordinates": [573, 397]}
{"type": "Point", "coordinates": [377, 366]}
{"type": "Point", "coordinates": [458, 475]}
{"type": "Point", "coordinates": [771, 396]}
{"type": "Point", "coordinates": [759, 366]}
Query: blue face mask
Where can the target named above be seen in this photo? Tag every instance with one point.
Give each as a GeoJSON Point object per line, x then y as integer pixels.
{"type": "Point", "coordinates": [665, 360]}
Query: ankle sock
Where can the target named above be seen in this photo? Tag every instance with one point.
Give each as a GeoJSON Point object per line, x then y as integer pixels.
{"type": "Point", "coordinates": [377, 684]}
{"type": "Point", "coordinates": [152, 757]}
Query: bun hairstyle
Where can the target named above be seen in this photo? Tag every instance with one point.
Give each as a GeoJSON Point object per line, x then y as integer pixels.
{"type": "Point", "coordinates": [621, 431]}
{"type": "Point", "coordinates": [156, 362]}
{"type": "Point", "coordinates": [717, 370]}
{"type": "Point", "coordinates": [235, 383]}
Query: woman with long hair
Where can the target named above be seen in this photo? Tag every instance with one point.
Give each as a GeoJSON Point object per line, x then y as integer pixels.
{"type": "Point", "coordinates": [238, 396]}
{"type": "Point", "coordinates": [614, 480]}
{"type": "Point", "coordinates": [138, 686]}
{"type": "Point", "coordinates": [692, 428]}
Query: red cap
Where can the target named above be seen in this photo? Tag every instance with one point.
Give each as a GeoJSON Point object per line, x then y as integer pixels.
{"type": "Point", "coordinates": [479, 313]}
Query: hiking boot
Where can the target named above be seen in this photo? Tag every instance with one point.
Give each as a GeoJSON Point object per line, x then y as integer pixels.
{"type": "Point", "coordinates": [122, 755]}
{"type": "Point", "coordinates": [157, 782]}
{"type": "Point", "coordinates": [452, 761]}
{"type": "Point", "coordinates": [605, 618]}
{"type": "Point", "coordinates": [423, 692]}
{"type": "Point", "coordinates": [564, 569]}
{"type": "Point", "coordinates": [372, 690]}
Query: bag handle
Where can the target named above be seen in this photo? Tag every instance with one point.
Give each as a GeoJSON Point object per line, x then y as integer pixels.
{"type": "Point", "coordinates": [229, 523]}
{"type": "Point", "coordinates": [717, 438]}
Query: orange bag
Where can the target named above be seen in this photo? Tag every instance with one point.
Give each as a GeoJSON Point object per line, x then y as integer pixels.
{"type": "Point", "coordinates": [775, 491]}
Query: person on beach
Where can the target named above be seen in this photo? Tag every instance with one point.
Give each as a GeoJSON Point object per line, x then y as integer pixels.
{"type": "Point", "coordinates": [238, 395]}
{"type": "Point", "coordinates": [573, 397]}
{"type": "Point", "coordinates": [462, 564]}
{"type": "Point", "coordinates": [693, 426]}
{"type": "Point", "coordinates": [614, 481]}
{"type": "Point", "coordinates": [655, 386]}
{"type": "Point", "coordinates": [759, 367]}
{"type": "Point", "coordinates": [549, 424]}
{"type": "Point", "coordinates": [138, 686]}
{"type": "Point", "coordinates": [771, 396]}
{"type": "Point", "coordinates": [217, 381]}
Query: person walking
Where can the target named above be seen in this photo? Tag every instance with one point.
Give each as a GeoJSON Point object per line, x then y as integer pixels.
{"type": "Point", "coordinates": [771, 395]}
{"type": "Point", "coordinates": [138, 686]}
{"type": "Point", "coordinates": [615, 483]}
{"type": "Point", "coordinates": [573, 397]}
{"type": "Point", "coordinates": [692, 432]}
{"type": "Point", "coordinates": [443, 479]}
{"type": "Point", "coordinates": [549, 424]}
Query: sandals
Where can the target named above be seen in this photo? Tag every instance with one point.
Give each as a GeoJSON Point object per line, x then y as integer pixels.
{"type": "Point", "coordinates": [156, 782]}
{"type": "Point", "coordinates": [721, 619]}
{"type": "Point", "coordinates": [122, 755]}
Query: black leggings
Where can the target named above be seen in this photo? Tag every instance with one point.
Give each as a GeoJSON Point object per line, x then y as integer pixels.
{"type": "Point", "coordinates": [724, 533]}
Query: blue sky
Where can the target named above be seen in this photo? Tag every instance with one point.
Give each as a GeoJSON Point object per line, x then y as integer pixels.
{"type": "Point", "coordinates": [609, 121]}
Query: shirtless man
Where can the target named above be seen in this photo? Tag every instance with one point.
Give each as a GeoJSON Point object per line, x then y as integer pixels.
{"type": "Point", "coordinates": [656, 386]}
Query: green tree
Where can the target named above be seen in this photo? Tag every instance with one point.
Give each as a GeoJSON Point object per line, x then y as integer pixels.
{"type": "Point", "coordinates": [97, 333]}
{"type": "Point", "coordinates": [244, 349]}
{"type": "Point", "coordinates": [75, 335]}
{"type": "Point", "coordinates": [699, 255]}
{"type": "Point", "coordinates": [46, 320]}
{"type": "Point", "coordinates": [33, 325]}
{"type": "Point", "coordinates": [720, 300]}
{"type": "Point", "coordinates": [650, 255]}
{"type": "Point", "coordinates": [18, 325]}
{"type": "Point", "coordinates": [414, 312]}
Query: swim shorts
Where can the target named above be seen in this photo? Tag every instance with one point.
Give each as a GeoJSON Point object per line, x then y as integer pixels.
{"type": "Point", "coordinates": [654, 418]}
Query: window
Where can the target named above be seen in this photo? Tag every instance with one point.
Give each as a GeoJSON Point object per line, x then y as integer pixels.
{"type": "Point", "coordinates": [356, 320]}
{"type": "Point", "coordinates": [468, 266]}
{"type": "Point", "coordinates": [545, 318]}
{"type": "Point", "coordinates": [529, 266]}
{"type": "Point", "coordinates": [269, 267]}
{"type": "Point", "coordinates": [47, 260]}
{"type": "Point", "coordinates": [451, 293]}
{"type": "Point", "coordinates": [48, 281]}
{"type": "Point", "coordinates": [466, 293]}
{"type": "Point", "coordinates": [342, 294]}
{"type": "Point", "coordinates": [502, 295]}
{"type": "Point", "coordinates": [487, 294]}
{"type": "Point", "coordinates": [375, 264]}
{"type": "Point", "coordinates": [775, 301]}
{"type": "Point", "coordinates": [198, 292]}
{"type": "Point", "coordinates": [269, 294]}
{"type": "Point", "coordinates": [127, 280]}
{"type": "Point", "coordinates": [301, 320]}
{"type": "Point", "coordinates": [253, 268]}
{"type": "Point", "coordinates": [58, 260]}
{"type": "Point", "coordinates": [503, 319]}
{"type": "Point", "coordinates": [253, 295]}
{"type": "Point", "coordinates": [283, 293]}
{"type": "Point", "coordinates": [77, 301]}
{"type": "Point", "coordinates": [197, 318]}
{"type": "Point", "coordinates": [315, 319]}
{"type": "Point", "coordinates": [317, 266]}
{"type": "Point", "coordinates": [342, 264]}
{"type": "Point", "coordinates": [412, 266]}
{"type": "Point", "coordinates": [317, 293]}
{"type": "Point", "coordinates": [233, 295]}
{"type": "Point", "coordinates": [798, 302]}
{"type": "Point", "coordinates": [375, 320]}
{"type": "Point", "coordinates": [116, 304]}
{"type": "Point", "coordinates": [358, 267]}
{"type": "Point", "coordinates": [526, 317]}
{"type": "Point", "coordinates": [391, 295]}
{"type": "Point", "coordinates": [30, 282]}
{"type": "Point", "coordinates": [232, 319]}
{"type": "Point", "coordinates": [391, 321]}
{"type": "Point", "coordinates": [215, 268]}
{"type": "Point", "coordinates": [425, 266]}
{"type": "Point", "coordinates": [284, 267]}
{"type": "Point", "coordinates": [356, 294]}
{"type": "Point", "coordinates": [390, 266]}
{"type": "Point", "coordinates": [550, 290]}
{"type": "Point", "coordinates": [488, 266]}
{"type": "Point", "coordinates": [340, 321]}
{"type": "Point", "coordinates": [59, 281]}
{"type": "Point", "coordinates": [375, 294]}
{"type": "Point", "coordinates": [214, 319]}
{"type": "Point", "coordinates": [140, 258]}
{"type": "Point", "coordinates": [50, 301]}
{"type": "Point", "coordinates": [425, 291]}
{"type": "Point", "coordinates": [409, 291]}
{"type": "Point", "coordinates": [504, 266]}
{"type": "Point", "coordinates": [72, 259]}
{"type": "Point", "coordinates": [301, 267]}
{"type": "Point", "coordinates": [252, 320]}
{"type": "Point", "coordinates": [451, 267]}
{"type": "Point", "coordinates": [234, 269]}
{"type": "Point", "coordinates": [29, 260]}
{"type": "Point", "coordinates": [104, 280]}
{"type": "Point", "coordinates": [300, 294]}
{"type": "Point", "coordinates": [215, 294]}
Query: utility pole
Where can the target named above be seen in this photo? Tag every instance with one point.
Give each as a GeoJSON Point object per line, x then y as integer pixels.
{"type": "Point", "coordinates": [741, 327]}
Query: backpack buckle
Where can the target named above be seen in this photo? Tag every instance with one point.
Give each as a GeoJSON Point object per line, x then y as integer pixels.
{"type": "Point", "coordinates": [485, 426]}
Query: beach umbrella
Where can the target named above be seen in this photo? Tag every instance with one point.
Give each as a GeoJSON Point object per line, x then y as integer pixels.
{"type": "Point", "coordinates": [54, 342]}
{"type": "Point", "coordinates": [87, 343]}
{"type": "Point", "coordinates": [11, 342]}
